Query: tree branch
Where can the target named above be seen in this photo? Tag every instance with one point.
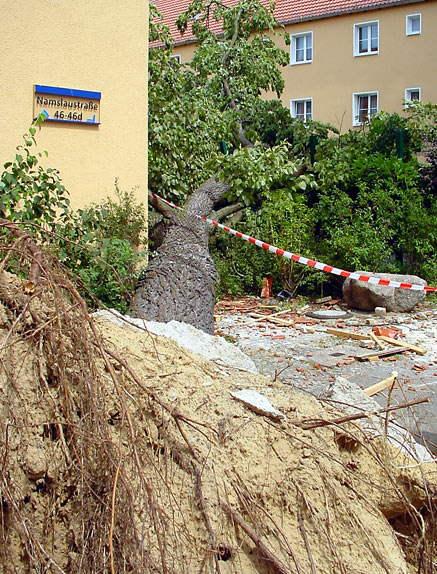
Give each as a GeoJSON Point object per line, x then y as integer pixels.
{"type": "Point", "coordinates": [308, 424]}
{"type": "Point", "coordinates": [161, 207]}
{"type": "Point", "coordinates": [227, 211]}
{"type": "Point", "coordinates": [264, 552]}
{"type": "Point", "coordinates": [241, 135]}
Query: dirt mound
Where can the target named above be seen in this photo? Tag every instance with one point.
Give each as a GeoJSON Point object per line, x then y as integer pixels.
{"type": "Point", "coordinates": [122, 452]}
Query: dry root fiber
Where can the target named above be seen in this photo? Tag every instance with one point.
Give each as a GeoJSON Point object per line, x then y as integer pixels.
{"type": "Point", "coordinates": [121, 452]}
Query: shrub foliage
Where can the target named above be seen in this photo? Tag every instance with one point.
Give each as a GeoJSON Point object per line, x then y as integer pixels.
{"type": "Point", "coordinates": [101, 245]}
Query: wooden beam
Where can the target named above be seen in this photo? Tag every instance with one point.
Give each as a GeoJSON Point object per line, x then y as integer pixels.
{"type": "Point", "coordinates": [347, 334]}
{"type": "Point", "coordinates": [418, 350]}
{"type": "Point", "coordinates": [266, 317]}
{"type": "Point", "coordinates": [374, 355]}
{"type": "Point", "coordinates": [378, 387]}
{"type": "Point", "coordinates": [377, 341]}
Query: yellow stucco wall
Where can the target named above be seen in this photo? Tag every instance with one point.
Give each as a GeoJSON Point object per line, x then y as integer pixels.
{"type": "Point", "coordinates": [335, 74]}
{"type": "Point", "coordinates": [98, 45]}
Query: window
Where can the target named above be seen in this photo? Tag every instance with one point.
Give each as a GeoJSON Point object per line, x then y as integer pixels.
{"type": "Point", "coordinates": [414, 24]}
{"type": "Point", "coordinates": [366, 38]}
{"type": "Point", "coordinates": [176, 57]}
{"type": "Point", "coordinates": [364, 107]}
{"type": "Point", "coordinates": [302, 109]}
{"type": "Point", "coordinates": [301, 48]}
{"type": "Point", "coordinates": [412, 94]}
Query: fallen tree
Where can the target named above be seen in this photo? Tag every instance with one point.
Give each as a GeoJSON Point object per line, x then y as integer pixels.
{"type": "Point", "coordinates": [226, 77]}
{"type": "Point", "coordinates": [178, 283]}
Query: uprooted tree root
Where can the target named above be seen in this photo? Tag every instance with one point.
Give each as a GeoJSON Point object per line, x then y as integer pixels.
{"type": "Point", "coordinates": [51, 318]}
{"type": "Point", "coordinates": [99, 472]}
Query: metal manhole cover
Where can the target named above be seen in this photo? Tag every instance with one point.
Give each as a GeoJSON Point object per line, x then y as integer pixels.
{"type": "Point", "coordinates": [327, 314]}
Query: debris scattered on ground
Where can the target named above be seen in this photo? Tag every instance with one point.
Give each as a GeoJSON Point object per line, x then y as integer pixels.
{"type": "Point", "coordinates": [309, 357]}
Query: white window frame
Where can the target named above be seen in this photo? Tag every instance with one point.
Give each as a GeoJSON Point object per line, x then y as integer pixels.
{"type": "Point", "coordinates": [294, 37]}
{"type": "Point", "coordinates": [355, 106]}
{"type": "Point", "coordinates": [408, 94]}
{"type": "Point", "coordinates": [295, 101]}
{"type": "Point", "coordinates": [176, 57]}
{"type": "Point", "coordinates": [408, 24]}
{"type": "Point", "coordinates": [357, 28]}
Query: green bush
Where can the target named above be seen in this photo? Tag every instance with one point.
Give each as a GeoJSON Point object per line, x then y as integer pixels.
{"type": "Point", "coordinates": [102, 245]}
{"type": "Point", "coordinates": [30, 193]}
{"type": "Point", "coordinates": [366, 203]}
{"type": "Point", "coordinates": [282, 220]}
{"type": "Point", "coordinates": [372, 210]}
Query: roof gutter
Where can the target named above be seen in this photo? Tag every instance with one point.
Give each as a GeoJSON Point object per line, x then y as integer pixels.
{"type": "Point", "coordinates": [351, 11]}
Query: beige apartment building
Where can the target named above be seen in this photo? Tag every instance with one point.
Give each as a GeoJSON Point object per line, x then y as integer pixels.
{"type": "Point", "coordinates": [348, 59]}
{"type": "Point", "coordinates": [82, 64]}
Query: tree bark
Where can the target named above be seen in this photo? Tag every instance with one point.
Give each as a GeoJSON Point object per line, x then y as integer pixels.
{"type": "Point", "coordinates": [179, 282]}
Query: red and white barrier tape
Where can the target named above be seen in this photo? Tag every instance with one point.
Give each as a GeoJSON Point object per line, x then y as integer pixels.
{"type": "Point", "coordinates": [310, 262]}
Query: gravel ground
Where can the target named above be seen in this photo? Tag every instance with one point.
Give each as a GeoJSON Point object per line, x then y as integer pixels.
{"type": "Point", "coordinates": [304, 355]}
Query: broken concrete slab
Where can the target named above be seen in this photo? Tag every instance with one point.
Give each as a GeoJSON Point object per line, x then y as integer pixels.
{"type": "Point", "coordinates": [258, 403]}
{"type": "Point", "coordinates": [211, 347]}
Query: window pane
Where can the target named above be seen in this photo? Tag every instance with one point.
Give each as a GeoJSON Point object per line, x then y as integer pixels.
{"type": "Point", "coordinates": [300, 111]}
{"type": "Point", "coordinates": [413, 95]}
{"type": "Point", "coordinates": [363, 39]}
{"type": "Point", "coordinates": [415, 24]}
{"type": "Point", "coordinates": [300, 49]}
{"type": "Point", "coordinates": [373, 104]}
{"type": "Point", "coordinates": [363, 105]}
{"type": "Point", "coordinates": [308, 111]}
{"type": "Point", "coordinates": [309, 43]}
{"type": "Point", "coordinates": [374, 38]}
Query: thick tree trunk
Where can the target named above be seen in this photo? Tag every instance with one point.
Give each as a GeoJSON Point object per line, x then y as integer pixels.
{"type": "Point", "coordinates": [180, 279]}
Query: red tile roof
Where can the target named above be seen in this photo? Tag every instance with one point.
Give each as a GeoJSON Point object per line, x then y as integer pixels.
{"type": "Point", "coordinates": [286, 11]}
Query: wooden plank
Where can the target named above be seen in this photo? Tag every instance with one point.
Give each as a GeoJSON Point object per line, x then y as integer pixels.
{"type": "Point", "coordinates": [378, 387]}
{"type": "Point", "coordinates": [278, 321]}
{"type": "Point", "coordinates": [323, 299]}
{"type": "Point", "coordinates": [260, 317]}
{"type": "Point", "coordinates": [377, 341]}
{"type": "Point", "coordinates": [347, 334]}
{"type": "Point", "coordinates": [418, 350]}
{"type": "Point", "coordinates": [374, 355]}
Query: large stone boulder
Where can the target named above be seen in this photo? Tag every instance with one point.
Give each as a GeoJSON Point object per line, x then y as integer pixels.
{"type": "Point", "coordinates": [366, 296]}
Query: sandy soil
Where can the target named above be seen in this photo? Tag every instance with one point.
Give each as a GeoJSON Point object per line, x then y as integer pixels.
{"type": "Point", "coordinates": [155, 462]}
